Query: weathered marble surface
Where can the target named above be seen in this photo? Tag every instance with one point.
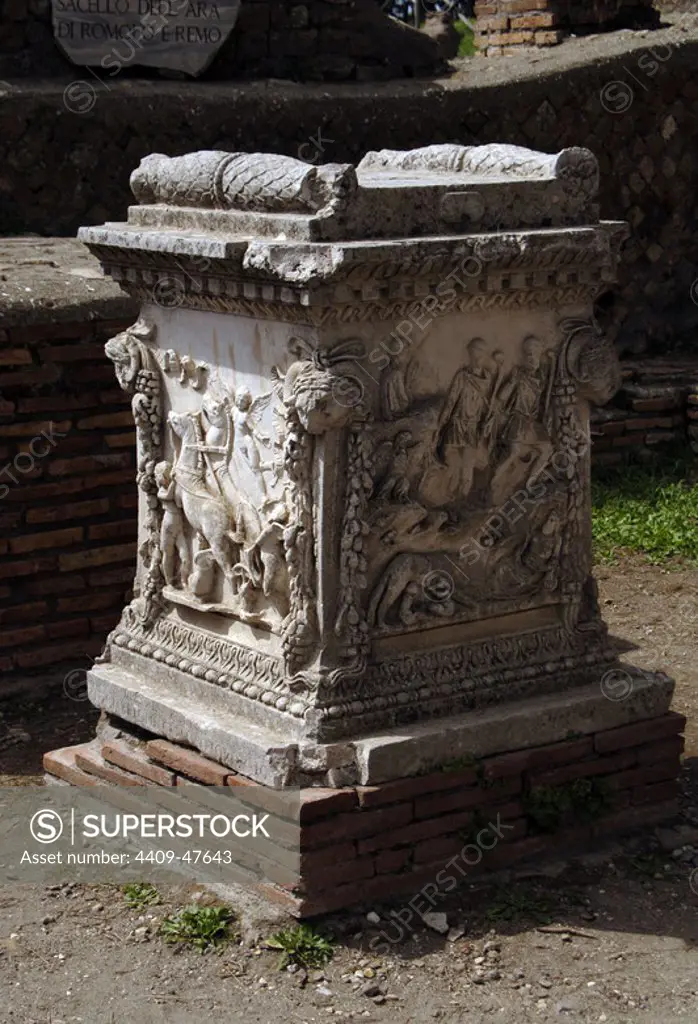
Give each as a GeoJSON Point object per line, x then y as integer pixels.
{"type": "Point", "coordinates": [363, 441]}
{"type": "Point", "coordinates": [181, 35]}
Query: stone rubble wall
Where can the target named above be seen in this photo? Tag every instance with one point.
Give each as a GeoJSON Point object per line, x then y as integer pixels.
{"type": "Point", "coordinates": [644, 132]}
{"type": "Point", "coordinates": [312, 40]}
{"type": "Point", "coordinates": [502, 26]}
{"type": "Point", "coordinates": [365, 843]}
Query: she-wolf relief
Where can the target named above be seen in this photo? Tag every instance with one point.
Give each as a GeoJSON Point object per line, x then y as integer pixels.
{"type": "Point", "coordinates": [478, 499]}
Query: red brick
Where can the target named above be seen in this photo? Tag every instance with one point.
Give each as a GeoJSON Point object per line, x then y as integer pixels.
{"type": "Point", "coordinates": [8, 570]}
{"type": "Point", "coordinates": [121, 440]}
{"type": "Point", "coordinates": [341, 873]}
{"type": "Point", "coordinates": [93, 763]}
{"type": "Point", "coordinates": [517, 6]}
{"type": "Point", "coordinates": [30, 378]}
{"type": "Point", "coordinates": [91, 376]}
{"type": "Point", "coordinates": [552, 754]}
{"type": "Point", "coordinates": [543, 19]}
{"type": "Point", "coordinates": [72, 510]}
{"type": "Point", "coordinates": [319, 803]}
{"type": "Point", "coordinates": [89, 602]}
{"type": "Point", "coordinates": [88, 463]}
{"type": "Point", "coordinates": [415, 832]}
{"type": "Point", "coordinates": [61, 763]}
{"type": "Point", "coordinates": [639, 733]}
{"type": "Point", "coordinates": [104, 624]}
{"type": "Point", "coordinates": [110, 577]}
{"type": "Point", "coordinates": [58, 489]}
{"type": "Point", "coordinates": [670, 748]}
{"type": "Point", "coordinates": [585, 769]}
{"type": "Point", "coordinates": [104, 420]}
{"type": "Point", "coordinates": [438, 848]}
{"type": "Point", "coordinates": [655, 793]}
{"type": "Point", "coordinates": [54, 585]}
{"type": "Point", "coordinates": [405, 789]}
{"type": "Point", "coordinates": [188, 762]}
{"type": "Point", "coordinates": [551, 38]}
{"type": "Point", "coordinates": [36, 428]}
{"type": "Point", "coordinates": [48, 654]}
{"type": "Point", "coordinates": [493, 23]}
{"type": "Point", "coordinates": [128, 500]}
{"type": "Point", "coordinates": [644, 775]}
{"type": "Point", "coordinates": [612, 428]}
{"type": "Point", "coordinates": [14, 357]}
{"type": "Point", "coordinates": [31, 333]}
{"type": "Point", "coordinates": [59, 403]}
{"type": "Point", "coordinates": [113, 531]}
{"type": "Point", "coordinates": [86, 352]}
{"type": "Point", "coordinates": [22, 612]}
{"type": "Point", "coordinates": [653, 404]}
{"type": "Point", "coordinates": [51, 539]}
{"type": "Point", "coordinates": [645, 423]}
{"type": "Point", "coordinates": [465, 798]}
{"type": "Point", "coordinates": [315, 860]}
{"type": "Point", "coordinates": [114, 396]}
{"type": "Point", "coordinates": [356, 825]}
{"type": "Point", "coordinates": [97, 556]}
{"type": "Point", "coordinates": [19, 637]}
{"type": "Point", "coordinates": [70, 627]}
{"type": "Point", "coordinates": [389, 861]}
{"type": "Point", "coordinates": [98, 481]}
{"type": "Point", "coordinates": [133, 759]}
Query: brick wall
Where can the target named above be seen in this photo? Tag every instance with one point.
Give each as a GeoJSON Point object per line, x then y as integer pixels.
{"type": "Point", "coordinates": [67, 495]}
{"type": "Point", "coordinates": [655, 406]}
{"type": "Point", "coordinates": [504, 25]}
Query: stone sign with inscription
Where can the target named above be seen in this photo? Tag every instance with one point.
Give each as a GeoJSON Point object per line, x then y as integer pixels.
{"type": "Point", "coordinates": [180, 35]}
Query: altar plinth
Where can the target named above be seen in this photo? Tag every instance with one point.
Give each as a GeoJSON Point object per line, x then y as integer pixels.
{"type": "Point", "coordinates": [361, 396]}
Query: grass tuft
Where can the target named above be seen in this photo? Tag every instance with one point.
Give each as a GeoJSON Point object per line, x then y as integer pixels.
{"type": "Point", "coordinates": [200, 927]}
{"type": "Point", "coordinates": [138, 895]}
{"type": "Point", "coordinates": [301, 946]}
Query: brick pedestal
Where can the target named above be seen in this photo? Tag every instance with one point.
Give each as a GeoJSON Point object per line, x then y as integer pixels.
{"type": "Point", "coordinates": [366, 843]}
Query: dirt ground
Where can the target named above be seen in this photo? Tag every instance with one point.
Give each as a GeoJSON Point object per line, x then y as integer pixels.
{"type": "Point", "coordinates": [612, 939]}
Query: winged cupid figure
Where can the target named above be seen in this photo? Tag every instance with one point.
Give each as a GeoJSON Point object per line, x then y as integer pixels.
{"type": "Point", "coordinates": [246, 465]}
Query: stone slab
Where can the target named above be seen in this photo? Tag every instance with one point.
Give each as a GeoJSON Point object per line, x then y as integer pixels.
{"type": "Point", "coordinates": [397, 753]}
{"type": "Point", "coordinates": [165, 711]}
{"type": "Point", "coordinates": [180, 35]}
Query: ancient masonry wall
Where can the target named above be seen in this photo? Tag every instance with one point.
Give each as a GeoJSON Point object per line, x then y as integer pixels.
{"type": "Point", "coordinates": [502, 26]}
{"type": "Point", "coordinates": [365, 843]}
{"type": "Point", "coordinates": [644, 132]}
{"type": "Point", "coordinates": [67, 495]}
{"type": "Point", "coordinates": [312, 40]}
{"type": "Point", "coordinates": [656, 405]}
